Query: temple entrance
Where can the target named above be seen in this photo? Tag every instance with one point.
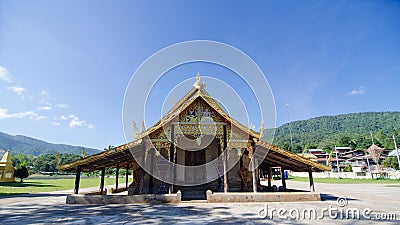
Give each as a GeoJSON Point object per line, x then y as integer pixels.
{"type": "Point", "coordinates": [195, 175]}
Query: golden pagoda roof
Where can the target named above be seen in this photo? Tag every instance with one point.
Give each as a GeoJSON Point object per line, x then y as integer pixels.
{"type": "Point", "coordinates": [121, 155]}
{"type": "Point", "coordinates": [6, 159]}
{"type": "Point", "coordinates": [195, 93]}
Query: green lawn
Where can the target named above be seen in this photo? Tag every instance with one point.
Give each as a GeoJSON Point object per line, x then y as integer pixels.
{"type": "Point", "coordinates": [46, 185]}
{"type": "Point", "coordinates": [345, 180]}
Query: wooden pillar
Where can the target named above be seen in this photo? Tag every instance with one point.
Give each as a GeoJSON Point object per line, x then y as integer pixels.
{"type": "Point", "coordinates": [240, 166]}
{"type": "Point", "coordinates": [141, 168]}
{"type": "Point", "coordinates": [103, 173]}
{"type": "Point", "coordinates": [151, 180]}
{"type": "Point", "coordinates": [219, 153]}
{"type": "Point", "coordinates": [116, 177]}
{"type": "Point", "coordinates": [171, 158]}
{"type": "Point", "coordinates": [269, 176]}
{"type": "Point", "coordinates": [226, 188]}
{"type": "Point", "coordinates": [77, 180]}
{"type": "Point", "coordinates": [310, 177]}
{"type": "Point", "coordinates": [254, 169]}
{"type": "Point", "coordinates": [127, 176]}
{"type": "Point", "coordinates": [283, 178]}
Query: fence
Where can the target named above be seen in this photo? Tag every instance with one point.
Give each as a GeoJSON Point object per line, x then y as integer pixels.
{"type": "Point", "coordinates": [351, 175]}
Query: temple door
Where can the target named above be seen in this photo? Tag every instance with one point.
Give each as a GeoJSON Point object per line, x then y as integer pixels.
{"type": "Point", "coordinates": [195, 174]}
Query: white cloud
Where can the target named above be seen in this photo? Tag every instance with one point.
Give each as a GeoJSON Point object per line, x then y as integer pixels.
{"type": "Point", "coordinates": [28, 114]}
{"type": "Point", "coordinates": [62, 117]}
{"type": "Point", "coordinates": [46, 107]}
{"type": "Point", "coordinates": [45, 102]}
{"type": "Point", "coordinates": [44, 93]}
{"type": "Point", "coordinates": [17, 90]}
{"type": "Point", "coordinates": [61, 106]}
{"type": "Point", "coordinates": [55, 123]}
{"type": "Point", "coordinates": [358, 91]}
{"type": "Point", "coordinates": [40, 118]}
{"type": "Point", "coordinates": [4, 75]}
{"type": "Point", "coordinates": [75, 122]}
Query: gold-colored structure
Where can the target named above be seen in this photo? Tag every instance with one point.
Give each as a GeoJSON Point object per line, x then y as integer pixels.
{"type": "Point", "coordinates": [6, 168]}
{"type": "Point", "coordinates": [186, 124]}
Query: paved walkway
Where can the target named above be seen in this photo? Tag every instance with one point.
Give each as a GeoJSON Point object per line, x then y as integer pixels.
{"type": "Point", "coordinates": [50, 208]}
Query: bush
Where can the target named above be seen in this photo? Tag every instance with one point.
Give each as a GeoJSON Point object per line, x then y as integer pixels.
{"type": "Point", "coordinates": [348, 168]}
{"type": "Point", "coordinates": [21, 172]}
{"type": "Point", "coordinates": [391, 162]}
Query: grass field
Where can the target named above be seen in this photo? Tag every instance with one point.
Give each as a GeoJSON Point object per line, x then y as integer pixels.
{"type": "Point", "coordinates": [46, 185]}
{"type": "Point", "coordinates": [345, 180]}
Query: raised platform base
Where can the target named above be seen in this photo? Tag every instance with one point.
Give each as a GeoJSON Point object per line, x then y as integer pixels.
{"type": "Point", "coordinates": [262, 197]}
{"type": "Point", "coordinates": [211, 198]}
{"type": "Point", "coordinates": [124, 199]}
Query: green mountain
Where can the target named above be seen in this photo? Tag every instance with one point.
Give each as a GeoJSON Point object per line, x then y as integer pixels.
{"type": "Point", "coordinates": [348, 129]}
{"type": "Point", "coordinates": [27, 145]}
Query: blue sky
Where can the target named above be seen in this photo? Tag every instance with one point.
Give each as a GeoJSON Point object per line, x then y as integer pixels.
{"type": "Point", "coordinates": [65, 65]}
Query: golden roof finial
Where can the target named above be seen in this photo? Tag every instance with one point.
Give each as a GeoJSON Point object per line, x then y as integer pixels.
{"type": "Point", "coordinates": [143, 126]}
{"type": "Point", "coordinates": [197, 82]}
{"type": "Point", "coordinates": [135, 129]}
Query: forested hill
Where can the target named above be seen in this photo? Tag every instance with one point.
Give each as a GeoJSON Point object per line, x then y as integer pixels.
{"type": "Point", "coordinates": [348, 129]}
{"type": "Point", "coordinates": [27, 145]}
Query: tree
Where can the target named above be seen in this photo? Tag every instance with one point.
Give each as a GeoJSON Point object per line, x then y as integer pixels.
{"type": "Point", "coordinates": [297, 149]}
{"type": "Point", "coordinates": [21, 172]}
{"type": "Point", "coordinates": [20, 158]}
{"type": "Point", "coordinates": [45, 163]}
{"type": "Point", "coordinates": [328, 147]}
{"type": "Point", "coordinates": [391, 162]}
{"type": "Point", "coordinates": [348, 168]}
{"type": "Point", "coordinates": [285, 146]}
{"type": "Point", "coordinates": [311, 146]}
{"type": "Point", "coordinates": [363, 142]}
{"type": "Point", "coordinates": [345, 141]}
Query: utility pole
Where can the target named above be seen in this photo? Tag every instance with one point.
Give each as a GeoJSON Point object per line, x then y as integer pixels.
{"type": "Point", "coordinates": [373, 143]}
{"type": "Point", "coordinates": [290, 127]}
{"type": "Point", "coordinates": [397, 150]}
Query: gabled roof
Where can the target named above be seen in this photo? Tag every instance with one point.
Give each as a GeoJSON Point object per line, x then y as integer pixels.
{"type": "Point", "coordinates": [194, 94]}
{"type": "Point", "coordinates": [121, 154]}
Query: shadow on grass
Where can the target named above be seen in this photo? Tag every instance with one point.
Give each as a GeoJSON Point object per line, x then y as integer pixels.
{"type": "Point", "coordinates": [25, 184]}
{"type": "Point", "coordinates": [30, 195]}
{"type": "Point", "coordinates": [3, 195]}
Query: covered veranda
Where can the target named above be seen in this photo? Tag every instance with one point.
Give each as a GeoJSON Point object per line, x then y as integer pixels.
{"type": "Point", "coordinates": [121, 157]}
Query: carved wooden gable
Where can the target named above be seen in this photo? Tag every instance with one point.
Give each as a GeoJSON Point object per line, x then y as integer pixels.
{"type": "Point", "coordinates": [199, 110]}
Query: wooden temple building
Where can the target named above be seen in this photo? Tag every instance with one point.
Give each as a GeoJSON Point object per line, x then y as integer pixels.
{"type": "Point", "coordinates": [195, 147]}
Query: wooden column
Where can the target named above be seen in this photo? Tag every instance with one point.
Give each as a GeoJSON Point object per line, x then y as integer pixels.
{"type": "Point", "coordinates": [220, 178]}
{"type": "Point", "coordinates": [127, 176]}
{"type": "Point", "coordinates": [103, 173]}
{"type": "Point", "coordinates": [254, 169]}
{"type": "Point", "coordinates": [310, 177]}
{"type": "Point", "coordinates": [171, 158]}
{"type": "Point", "coordinates": [283, 178]}
{"type": "Point", "coordinates": [141, 169]}
{"type": "Point", "coordinates": [226, 188]}
{"type": "Point", "coordinates": [240, 166]}
{"type": "Point", "coordinates": [77, 180]}
{"type": "Point", "coordinates": [116, 178]}
{"type": "Point", "coordinates": [269, 176]}
{"type": "Point", "coordinates": [151, 180]}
